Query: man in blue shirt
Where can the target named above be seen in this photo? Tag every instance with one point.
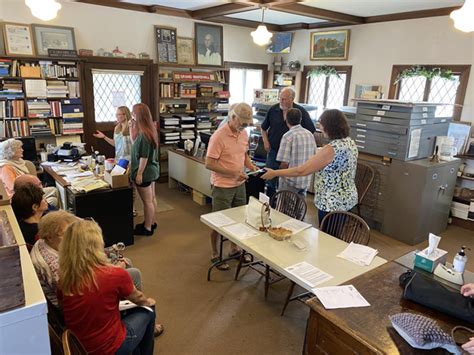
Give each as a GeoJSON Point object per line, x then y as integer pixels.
{"type": "Point", "coordinates": [274, 127]}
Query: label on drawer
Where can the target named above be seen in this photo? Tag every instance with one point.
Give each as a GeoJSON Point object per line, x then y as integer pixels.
{"type": "Point", "coordinates": [381, 113]}
{"type": "Point", "coordinates": [443, 120]}
{"type": "Point", "coordinates": [386, 107]}
{"type": "Point", "coordinates": [360, 146]}
{"type": "Point", "coordinates": [361, 130]}
{"type": "Point", "coordinates": [360, 136]}
{"type": "Point", "coordinates": [361, 124]}
{"type": "Point", "coordinates": [425, 115]}
{"type": "Point", "coordinates": [424, 109]}
{"type": "Point", "coordinates": [423, 121]}
{"type": "Point", "coordinates": [376, 118]}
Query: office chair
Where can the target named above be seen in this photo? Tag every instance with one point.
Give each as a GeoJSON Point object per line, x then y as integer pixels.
{"type": "Point", "coordinates": [291, 204]}
{"type": "Point", "coordinates": [346, 226]}
{"type": "Point", "coordinates": [71, 344]}
{"type": "Point", "coordinates": [364, 178]}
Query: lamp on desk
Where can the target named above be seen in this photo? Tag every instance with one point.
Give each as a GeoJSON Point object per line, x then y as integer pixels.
{"type": "Point", "coordinates": [45, 10]}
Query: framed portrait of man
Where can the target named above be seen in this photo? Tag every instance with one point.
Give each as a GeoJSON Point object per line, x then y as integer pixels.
{"type": "Point", "coordinates": [209, 44]}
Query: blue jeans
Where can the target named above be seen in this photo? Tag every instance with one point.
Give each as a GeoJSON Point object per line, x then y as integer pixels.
{"type": "Point", "coordinates": [140, 326]}
{"type": "Point", "coordinates": [272, 163]}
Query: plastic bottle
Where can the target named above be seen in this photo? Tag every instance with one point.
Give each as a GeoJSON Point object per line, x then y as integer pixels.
{"type": "Point", "coordinates": [460, 260]}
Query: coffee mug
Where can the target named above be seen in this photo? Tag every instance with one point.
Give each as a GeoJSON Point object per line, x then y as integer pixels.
{"type": "Point", "coordinates": [109, 164]}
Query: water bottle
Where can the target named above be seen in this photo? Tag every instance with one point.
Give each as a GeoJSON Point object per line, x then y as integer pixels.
{"type": "Point", "coordinates": [460, 260]}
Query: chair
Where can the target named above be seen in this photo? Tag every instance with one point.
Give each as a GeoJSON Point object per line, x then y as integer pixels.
{"type": "Point", "coordinates": [71, 344]}
{"type": "Point", "coordinates": [364, 178]}
{"type": "Point", "coordinates": [346, 226]}
{"type": "Point", "coordinates": [291, 204]}
{"type": "Point", "coordinates": [31, 167]}
{"type": "Point", "coordinates": [55, 341]}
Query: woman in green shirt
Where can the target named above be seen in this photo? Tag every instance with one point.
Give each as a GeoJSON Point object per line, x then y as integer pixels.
{"type": "Point", "coordinates": [144, 165]}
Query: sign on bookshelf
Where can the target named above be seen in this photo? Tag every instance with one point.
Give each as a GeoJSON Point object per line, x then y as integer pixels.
{"type": "Point", "coordinates": [180, 76]}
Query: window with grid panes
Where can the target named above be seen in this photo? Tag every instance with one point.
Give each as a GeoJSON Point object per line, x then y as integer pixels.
{"type": "Point", "coordinates": [328, 91]}
{"type": "Point", "coordinates": [113, 89]}
{"type": "Point", "coordinates": [242, 83]}
{"type": "Point", "coordinates": [439, 90]}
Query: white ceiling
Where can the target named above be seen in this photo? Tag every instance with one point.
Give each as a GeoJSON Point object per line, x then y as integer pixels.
{"type": "Point", "coordinates": [274, 17]}
{"type": "Point", "coordinates": [366, 8]}
{"type": "Point", "coordinates": [181, 4]}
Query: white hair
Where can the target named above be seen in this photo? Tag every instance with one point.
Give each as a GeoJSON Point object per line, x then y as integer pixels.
{"type": "Point", "coordinates": [291, 90]}
{"type": "Point", "coordinates": [8, 148]}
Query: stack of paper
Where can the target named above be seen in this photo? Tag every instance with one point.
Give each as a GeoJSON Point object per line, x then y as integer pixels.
{"type": "Point", "coordinates": [340, 297]}
{"type": "Point", "coordinates": [219, 219]}
{"type": "Point", "coordinates": [294, 225]}
{"type": "Point", "coordinates": [359, 254]}
{"type": "Point", "coordinates": [241, 231]}
{"type": "Point", "coordinates": [309, 274]}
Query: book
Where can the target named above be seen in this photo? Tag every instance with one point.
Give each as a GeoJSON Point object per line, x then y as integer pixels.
{"type": "Point", "coordinates": [126, 304]}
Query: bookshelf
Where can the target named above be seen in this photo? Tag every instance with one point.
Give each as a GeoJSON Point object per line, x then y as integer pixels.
{"type": "Point", "coordinates": [40, 97]}
{"type": "Point", "coordinates": [279, 79]}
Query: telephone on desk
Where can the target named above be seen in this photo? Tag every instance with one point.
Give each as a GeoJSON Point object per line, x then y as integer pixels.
{"type": "Point", "coordinates": [70, 152]}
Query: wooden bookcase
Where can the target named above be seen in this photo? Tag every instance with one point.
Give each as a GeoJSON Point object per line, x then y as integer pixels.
{"type": "Point", "coordinates": [40, 97]}
{"type": "Point", "coordinates": [279, 79]}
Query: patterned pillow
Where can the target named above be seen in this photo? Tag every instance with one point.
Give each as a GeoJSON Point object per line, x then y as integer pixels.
{"type": "Point", "coordinates": [422, 332]}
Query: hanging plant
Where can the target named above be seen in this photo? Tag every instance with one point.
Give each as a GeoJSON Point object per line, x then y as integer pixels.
{"type": "Point", "coordinates": [428, 73]}
{"type": "Point", "coordinates": [324, 70]}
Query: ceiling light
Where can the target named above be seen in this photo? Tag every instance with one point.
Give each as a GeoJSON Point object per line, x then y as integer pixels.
{"type": "Point", "coordinates": [45, 10]}
{"type": "Point", "coordinates": [261, 36]}
{"type": "Point", "coordinates": [463, 18]}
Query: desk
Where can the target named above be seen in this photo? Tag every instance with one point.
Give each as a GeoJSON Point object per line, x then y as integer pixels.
{"type": "Point", "coordinates": [321, 250]}
{"type": "Point", "coordinates": [368, 330]}
{"type": "Point", "coordinates": [112, 209]}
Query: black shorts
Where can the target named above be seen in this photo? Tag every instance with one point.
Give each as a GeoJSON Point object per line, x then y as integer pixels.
{"type": "Point", "coordinates": [144, 184]}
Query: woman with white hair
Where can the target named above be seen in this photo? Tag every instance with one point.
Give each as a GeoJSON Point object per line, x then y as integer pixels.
{"type": "Point", "coordinates": [12, 166]}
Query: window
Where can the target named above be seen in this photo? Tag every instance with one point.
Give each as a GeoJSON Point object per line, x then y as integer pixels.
{"type": "Point", "coordinates": [242, 83]}
{"type": "Point", "coordinates": [440, 90]}
{"type": "Point", "coordinates": [112, 89]}
{"type": "Point", "coordinates": [327, 91]}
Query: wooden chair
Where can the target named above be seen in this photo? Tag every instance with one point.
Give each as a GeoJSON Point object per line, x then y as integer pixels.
{"type": "Point", "coordinates": [346, 226]}
{"type": "Point", "coordinates": [55, 341]}
{"type": "Point", "coordinates": [291, 204]}
{"type": "Point", "coordinates": [364, 178]}
{"type": "Point", "coordinates": [71, 344]}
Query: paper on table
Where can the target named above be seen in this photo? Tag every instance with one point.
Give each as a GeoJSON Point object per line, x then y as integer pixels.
{"type": "Point", "coordinates": [340, 297]}
{"type": "Point", "coordinates": [124, 305]}
{"type": "Point", "coordinates": [310, 275]}
{"type": "Point", "coordinates": [241, 231]}
{"type": "Point", "coordinates": [294, 225]}
{"type": "Point", "coordinates": [359, 254]}
{"type": "Point", "coordinates": [263, 198]}
{"type": "Point", "coordinates": [219, 219]}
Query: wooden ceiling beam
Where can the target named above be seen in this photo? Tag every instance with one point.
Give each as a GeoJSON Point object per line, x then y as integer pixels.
{"type": "Point", "coordinates": [170, 11]}
{"type": "Point", "coordinates": [221, 10]}
{"type": "Point", "coordinates": [117, 4]}
{"type": "Point", "coordinates": [444, 11]}
{"type": "Point", "coordinates": [245, 23]}
{"type": "Point", "coordinates": [310, 11]}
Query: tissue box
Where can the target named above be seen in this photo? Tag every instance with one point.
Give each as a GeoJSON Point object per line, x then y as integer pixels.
{"type": "Point", "coordinates": [116, 180]}
{"type": "Point", "coordinates": [429, 262]}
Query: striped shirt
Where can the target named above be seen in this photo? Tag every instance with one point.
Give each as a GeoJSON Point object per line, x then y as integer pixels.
{"type": "Point", "coordinates": [296, 147]}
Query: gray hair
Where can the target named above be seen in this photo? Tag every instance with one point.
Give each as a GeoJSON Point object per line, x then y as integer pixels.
{"type": "Point", "coordinates": [8, 147]}
{"type": "Point", "coordinates": [291, 90]}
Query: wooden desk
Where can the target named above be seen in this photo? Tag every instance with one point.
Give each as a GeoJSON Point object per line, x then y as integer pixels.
{"type": "Point", "coordinates": [368, 330]}
{"type": "Point", "coordinates": [321, 250]}
{"type": "Point", "coordinates": [112, 209]}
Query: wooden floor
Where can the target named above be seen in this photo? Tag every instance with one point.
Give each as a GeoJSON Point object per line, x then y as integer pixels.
{"type": "Point", "coordinates": [227, 316]}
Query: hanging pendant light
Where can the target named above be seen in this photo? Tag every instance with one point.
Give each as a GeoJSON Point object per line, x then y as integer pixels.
{"type": "Point", "coordinates": [45, 10]}
{"type": "Point", "coordinates": [261, 36]}
{"type": "Point", "coordinates": [464, 17]}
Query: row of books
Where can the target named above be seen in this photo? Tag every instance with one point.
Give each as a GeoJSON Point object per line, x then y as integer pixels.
{"type": "Point", "coordinates": [60, 70]}
{"type": "Point", "coordinates": [190, 90]}
{"type": "Point", "coordinates": [68, 108]}
{"type": "Point", "coordinates": [43, 69]}
{"type": "Point", "coordinates": [12, 108]}
{"type": "Point", "coordinates": [14, 128]}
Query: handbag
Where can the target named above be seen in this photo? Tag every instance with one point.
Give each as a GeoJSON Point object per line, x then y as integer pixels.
{"type": "Point", "coordinates": [258, 214]}
{"type": "Point", "coordinates": [430, 293]}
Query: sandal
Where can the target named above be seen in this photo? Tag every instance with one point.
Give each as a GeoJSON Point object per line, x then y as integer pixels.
{"type": "Point", "coordinates": [159, 329]}
{"type": "Point", "coordinates": [222, 266]}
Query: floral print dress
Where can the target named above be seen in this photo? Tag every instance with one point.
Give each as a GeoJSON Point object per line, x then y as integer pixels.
{"type": "Point", "coordinates": [334, 186]}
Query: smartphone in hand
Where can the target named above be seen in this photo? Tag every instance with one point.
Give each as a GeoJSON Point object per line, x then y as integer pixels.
{"type": "Point", "coordinates": [256, 172]}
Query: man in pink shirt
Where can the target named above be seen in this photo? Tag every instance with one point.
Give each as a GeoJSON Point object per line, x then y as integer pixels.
{"type": "Point", "coordinates": [226, 158]}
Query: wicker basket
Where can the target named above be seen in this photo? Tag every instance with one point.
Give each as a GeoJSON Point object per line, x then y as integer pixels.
{"type": "Point", "coordinates": [279, 233]}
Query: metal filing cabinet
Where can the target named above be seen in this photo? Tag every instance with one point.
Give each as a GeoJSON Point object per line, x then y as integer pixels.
{"type": "Point", "coordinates": [418, 199]}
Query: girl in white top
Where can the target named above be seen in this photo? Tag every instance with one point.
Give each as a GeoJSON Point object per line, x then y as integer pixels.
{"type": "Point", "coordinates": [121, 140]}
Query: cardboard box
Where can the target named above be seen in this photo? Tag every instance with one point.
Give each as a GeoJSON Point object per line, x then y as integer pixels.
{"type": "Point", "coordinates": [199, 198]}
{"type": "Point", "coordinates": [429, 262]}
{"type": "Point", "coordinates": [116, 180]}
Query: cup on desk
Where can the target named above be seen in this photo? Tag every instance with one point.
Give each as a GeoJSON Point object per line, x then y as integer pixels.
{"type": "Point", "coordinates": [109, 164]}
{"type": "Point", "coordinates": [44, 156]}
{"type": "Point", "coordinates": [87, 160]}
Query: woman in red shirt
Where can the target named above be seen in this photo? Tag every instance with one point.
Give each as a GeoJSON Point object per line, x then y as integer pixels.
{"type": "Point", "coordinates": [90, 290]}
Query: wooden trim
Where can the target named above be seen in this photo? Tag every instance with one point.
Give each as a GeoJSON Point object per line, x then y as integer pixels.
{"type": "Point", "coordinates": [310, 11]}
{"type": "Point", "coordinates": [462, 70]}
{"type": "Point", "coordinates": [463, 223]}
{"type": "Point", "coordinates": [117, 4]}
{"type": "Point", "coordinates": [244, 23]}
{"type": "Point", "coordinates": [116, 60]}
{"type": "Point", "coordinates": [262, 67]}
{"type": "Point", "coordinates": [294, 27]}
{"type": "Point", "coordinates": [444, 11]}
{"type": "Point", "coordinates": [221, 10]}
{"type": "Point", "coordinates": [346, 69]}
{"type": "Point", "coordinates": [169, 11]}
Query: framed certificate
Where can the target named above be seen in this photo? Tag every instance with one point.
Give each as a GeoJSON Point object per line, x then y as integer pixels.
{"type": "Point", "coordinates": [166, 44]}
{"type": "Point", "coordinates": [18, 39]}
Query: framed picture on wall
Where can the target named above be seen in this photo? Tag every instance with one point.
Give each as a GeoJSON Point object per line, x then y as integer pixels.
{"type": "Point", "coordinates": [209, 44]}
{"type": "Point", "coordinates": [54, 37]}
{"type": "Point", "coordinates": [281, 43]}
{"type": "Point", "coordinates": [186, 51]}
{"type": "Point", "coordinates": [18, 39]}
{"type": "Point", "coordinates": [166, 44]}
{"type": "Point", "coordinates": [330, 45]}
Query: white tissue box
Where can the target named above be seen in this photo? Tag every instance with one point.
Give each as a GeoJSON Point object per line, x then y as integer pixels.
{"type": "Point", "coordinates": [429, 262]}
